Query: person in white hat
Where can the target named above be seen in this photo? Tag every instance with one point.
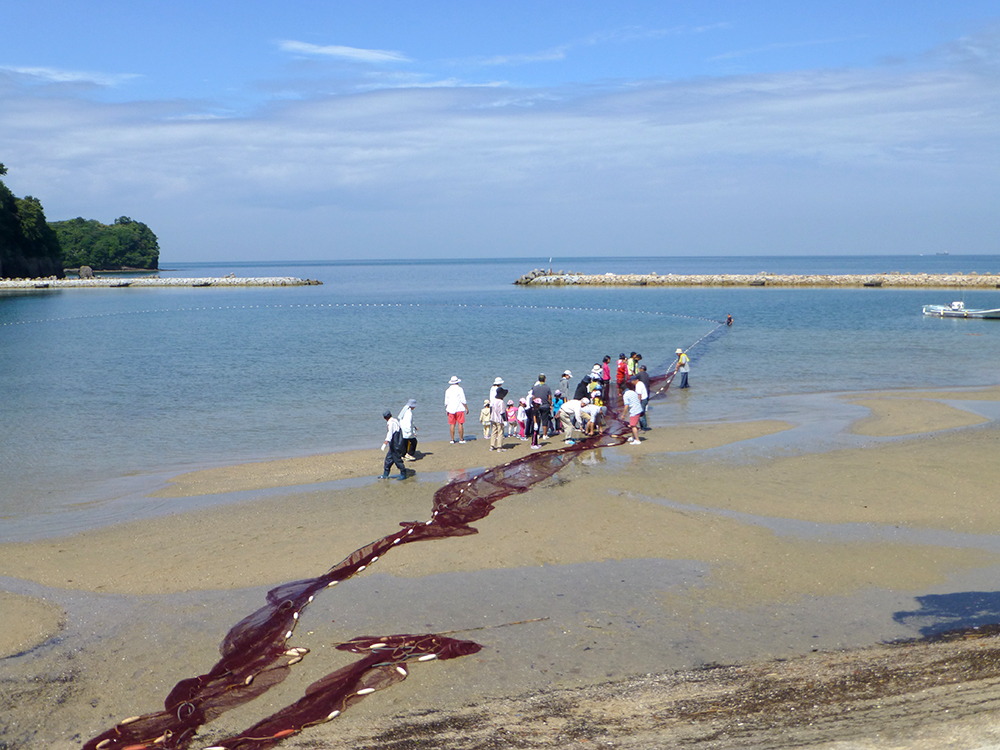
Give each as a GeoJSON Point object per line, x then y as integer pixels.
{"type": "Point", "coordinates": [497, 382]}
{"type": "Point", "coordinates": [456, 407]}
{"type": "Point", "coordinates": [564, 381]}
{"type": "Point", "coordinates": [409, 430]}
{"type": "Point", "coordinates": [683, 366]}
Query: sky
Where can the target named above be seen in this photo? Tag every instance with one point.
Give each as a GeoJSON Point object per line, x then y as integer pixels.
{"type": "Point", "coordinates": [309, 130]}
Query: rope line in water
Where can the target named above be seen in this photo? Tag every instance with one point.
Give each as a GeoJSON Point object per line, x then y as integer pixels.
{"type": "Point", "coordinates": [554, 308]}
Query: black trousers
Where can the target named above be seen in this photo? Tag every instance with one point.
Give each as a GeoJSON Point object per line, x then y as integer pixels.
{"type": "Point", "coordinates": [543, 419]}
{"type": "Point", "coordinates": [391, 457]}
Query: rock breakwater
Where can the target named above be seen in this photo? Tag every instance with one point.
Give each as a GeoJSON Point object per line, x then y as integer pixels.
{"type": "Point", "coordinates": [153, 281]}
{"type": "Point", "coordinates": [894, 279]}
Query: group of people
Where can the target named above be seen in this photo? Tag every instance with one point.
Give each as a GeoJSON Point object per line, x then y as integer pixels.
{"type": "Point", "coordinates": [542, 412]}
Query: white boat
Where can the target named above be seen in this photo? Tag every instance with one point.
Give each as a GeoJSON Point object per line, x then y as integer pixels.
{"type": "Point", "coordinates": [959, 310]}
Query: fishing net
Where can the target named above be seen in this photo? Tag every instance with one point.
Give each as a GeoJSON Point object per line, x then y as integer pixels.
{"type": "Point", "coordinates": [255, 655]}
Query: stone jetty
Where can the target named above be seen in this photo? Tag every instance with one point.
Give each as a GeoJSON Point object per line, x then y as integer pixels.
{"type": "Point", "coordinates": [539, 277]}
{"type": "Point", "coordinates": [153, 281]}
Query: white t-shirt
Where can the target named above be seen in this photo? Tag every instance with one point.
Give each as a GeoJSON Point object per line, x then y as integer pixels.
{"type": "Point", "coordinates": [640, 389]}
{"type": "Point", "coordinates": [633, 403]}
{"type": "Point", "coordinates": [391, 426]}
{"type": "Point", "coordinates": [454, 399]}
{"type": "Point", "coordinates": [574, 408]}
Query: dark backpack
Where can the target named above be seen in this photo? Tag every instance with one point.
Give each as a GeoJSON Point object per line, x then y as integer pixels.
{"type": "Point", "coordinates": [396, 442]}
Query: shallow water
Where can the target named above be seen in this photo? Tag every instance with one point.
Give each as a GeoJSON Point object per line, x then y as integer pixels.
{"type": "Point", "coordinates": [108, 391]}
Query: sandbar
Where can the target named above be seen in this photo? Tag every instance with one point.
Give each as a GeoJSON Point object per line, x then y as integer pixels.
{"type": "Point", "coordinates": [893, 416]}
{"type": "Point", "coordinates": [753, 538]}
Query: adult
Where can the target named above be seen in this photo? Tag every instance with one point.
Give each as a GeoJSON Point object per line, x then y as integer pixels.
{"type": "Point", "coordinates": [593, 419]}
{"type": "Point", "coordinates": [632, 365]}
{"type": "Point", "coordinates": [683, 366]}
{"type": "Point", "coordinates": [541, 397]}
{"type": "Point", "coordinates": [393, 447]}
{"type": "Point", "coordinates": [643, 378]}
{"type": "Point", "coordinates": [488, 406]}
{"type": "Point", "coordinates": [633, 406]}
{"type": "Point", "coordinates": [409, 430]}
{"type": "Point", "coordinates": [582, 388]}
{"type": "Point", "coordinates": [621, 372]}
{"type": "Point", "coordinates": [497, 382]}
{"type": "Point", "coordinates": [564, 381]}
{"type": "Point", "coordinates": [529, 416]}
{"type": "Point", "coordinates": [571, 415]}
{"type": "Point", "coordinates": [456, 407]}
{"type": "Point", "coordinates": [729, 320]}
{"type": "Point", "coordinates": [498, 415]}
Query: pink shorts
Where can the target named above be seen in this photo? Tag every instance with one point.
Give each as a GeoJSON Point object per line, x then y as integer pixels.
{"type": "Point", "coordinates": [456, 418]}
{"type": "Point", "coordinates": [634, 421]}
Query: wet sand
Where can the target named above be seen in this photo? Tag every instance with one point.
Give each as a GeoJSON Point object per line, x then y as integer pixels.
{"type": "Point", "coordinates": [682, 552]}
{"type": "Point", "coordinates": [27, 622]}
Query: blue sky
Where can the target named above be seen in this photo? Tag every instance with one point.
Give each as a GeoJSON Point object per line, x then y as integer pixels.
{"type": "Point", "coordinates": [314, 130]}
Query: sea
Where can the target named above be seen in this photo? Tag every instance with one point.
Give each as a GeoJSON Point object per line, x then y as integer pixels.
{"type": "Point", "coordinates": [107, 393]}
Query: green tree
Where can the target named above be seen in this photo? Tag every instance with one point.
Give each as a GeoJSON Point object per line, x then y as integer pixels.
{"type": "Point", "coordinates": [126, 243]}
{"type": "Point", "coordinates": [28, 247]}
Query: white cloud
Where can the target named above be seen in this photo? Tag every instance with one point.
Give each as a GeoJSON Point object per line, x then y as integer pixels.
{"type": "Point", "coordinates": [552, 55]}
{"type": "Point", "coordinates": [348, 53]}
{"type": "Point", "coordinates": [625, 34]}
{"type": "Point", "coordinates": [55, 75]}
{"type": "Point", "coordinates": [982, 48]}
{"type": "Point", "coordinates": [444, 83]}
{"type": "Point", "coordinates": [707, 161]}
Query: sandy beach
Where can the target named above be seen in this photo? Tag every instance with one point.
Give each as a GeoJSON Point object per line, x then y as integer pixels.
{"type": "Point", "coordinates": [636, 571]}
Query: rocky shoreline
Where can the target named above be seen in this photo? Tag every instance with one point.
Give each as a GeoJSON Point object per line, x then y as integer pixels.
{"type": "Point", "coordinates": [540, 277]}
{"type": "Point", "coordinates": [153, 281]}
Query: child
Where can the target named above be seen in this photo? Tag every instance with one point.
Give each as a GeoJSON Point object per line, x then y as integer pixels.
{"type": "Point", "coordinates": [557, 401]}
{"type": "Point", "coordinates": [522, 418]}
{"type": "Point", "coordinates": [511, 418]}
{"type": "Point", "coordinates": [484, 419]}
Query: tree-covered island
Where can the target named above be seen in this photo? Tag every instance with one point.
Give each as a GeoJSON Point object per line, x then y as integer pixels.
{"type": "Point", "coordinates": [31, 247]}
{"type": "Point", "coordinates": [124, 244]}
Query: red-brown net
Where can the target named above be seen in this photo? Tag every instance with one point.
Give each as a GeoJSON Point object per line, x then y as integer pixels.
{"type": "Point", "coordinates": [255, 655]}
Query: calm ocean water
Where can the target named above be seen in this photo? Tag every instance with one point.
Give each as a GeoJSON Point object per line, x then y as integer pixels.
{"type": "Point", "coordinates": [106, 391]}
